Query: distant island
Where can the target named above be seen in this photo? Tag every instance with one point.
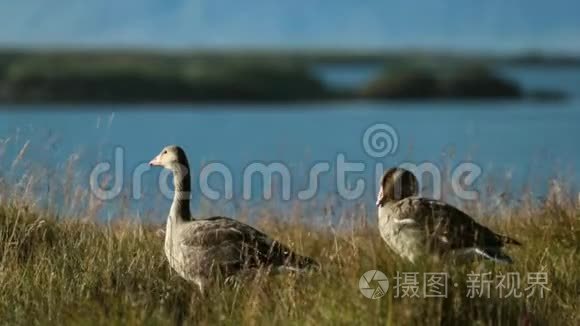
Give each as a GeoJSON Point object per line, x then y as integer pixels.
{"type": "Point", "coordinates": [464, 82]}
{"type": "Point", "coordinates": [136, 77]}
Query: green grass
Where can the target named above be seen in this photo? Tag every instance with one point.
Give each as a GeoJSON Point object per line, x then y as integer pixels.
{"type": "Point", "coordinates": [65, 271]}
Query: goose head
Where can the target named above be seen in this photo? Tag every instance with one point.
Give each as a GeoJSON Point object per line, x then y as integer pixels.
{"type": "Point", "coordinates": [396, 184]}
{"type": "Point", "coordinates": [171, 157]}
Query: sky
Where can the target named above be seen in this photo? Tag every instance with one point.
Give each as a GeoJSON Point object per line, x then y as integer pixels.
{"type": "Point", "coordinates": [489, 25]}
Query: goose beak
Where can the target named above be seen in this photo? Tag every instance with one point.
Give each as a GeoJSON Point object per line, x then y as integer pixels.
{"type": "Point", "coordinates": [156, 161]}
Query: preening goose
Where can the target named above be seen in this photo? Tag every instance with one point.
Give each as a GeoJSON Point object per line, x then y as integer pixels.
{"type": "Point", "coordinates": [416, 227]}
{"type": "Point", "coordinates": [200, 249]}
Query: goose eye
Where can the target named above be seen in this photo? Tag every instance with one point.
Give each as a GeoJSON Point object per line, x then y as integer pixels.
{"type": "Point", "coordinates": [164, 152]}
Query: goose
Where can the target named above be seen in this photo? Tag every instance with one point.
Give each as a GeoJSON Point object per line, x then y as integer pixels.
{"type": "Point", "coordinates": [201, 249]}
{"type": "Point", "coordinates": [415, 227]}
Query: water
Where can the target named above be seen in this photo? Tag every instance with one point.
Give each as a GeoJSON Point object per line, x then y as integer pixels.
{"type": "Point", "coordinates": [521, 143]}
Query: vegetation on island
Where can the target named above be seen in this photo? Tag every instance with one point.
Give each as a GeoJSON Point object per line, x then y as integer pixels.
{"type": "Point", "coordinates": [134, 76]}
{"type": "Point", "coordinates": [460, 83]}
{"type": "Point", "coordinates": [144, 79]}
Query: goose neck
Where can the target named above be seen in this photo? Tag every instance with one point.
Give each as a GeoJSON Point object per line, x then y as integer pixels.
{"type": "Point", "coordinates": [180, 206]}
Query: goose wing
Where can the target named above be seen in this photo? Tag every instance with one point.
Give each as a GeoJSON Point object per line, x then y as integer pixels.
{"type": "Point", "coordinates": [237, 245]}
{"type": "Point", "coordinates": [445, 225]}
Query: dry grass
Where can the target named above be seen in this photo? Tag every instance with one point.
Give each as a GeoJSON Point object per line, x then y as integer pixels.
{"type": "Point", "coordinates": [71, 272]}
{"type": "Point", "coordinates": [56, 270]}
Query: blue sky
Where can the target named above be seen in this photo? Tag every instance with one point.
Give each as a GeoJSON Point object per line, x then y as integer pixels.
{"type": "Point", "coordinates": [491, 25]}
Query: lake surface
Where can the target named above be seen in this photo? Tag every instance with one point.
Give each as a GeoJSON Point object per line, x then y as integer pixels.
{"type": "Point", "coordinates": [519, 145]}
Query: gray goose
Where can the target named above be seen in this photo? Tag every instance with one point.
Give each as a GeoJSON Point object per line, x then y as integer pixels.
{"type": "Point", "coordinates": [416, 227]}
{"type": "Point", "coordinates": [201, 249]}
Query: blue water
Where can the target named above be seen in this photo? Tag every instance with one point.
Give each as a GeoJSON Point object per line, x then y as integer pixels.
{"type": "Point", "coordinates": [520, 143]}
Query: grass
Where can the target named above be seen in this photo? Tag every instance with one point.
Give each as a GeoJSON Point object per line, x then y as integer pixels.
{"type": "Point", "coordinates": [76, 271]}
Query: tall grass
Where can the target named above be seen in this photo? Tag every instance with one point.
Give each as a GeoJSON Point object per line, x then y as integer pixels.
{"type": "Point", "coordinates": [71, 271]}
{"type": "Point", "coordinates": [60, 270]}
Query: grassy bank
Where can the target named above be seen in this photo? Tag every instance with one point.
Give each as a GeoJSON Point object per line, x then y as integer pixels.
{"type": "Point", "coordinates": [64, 271]}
